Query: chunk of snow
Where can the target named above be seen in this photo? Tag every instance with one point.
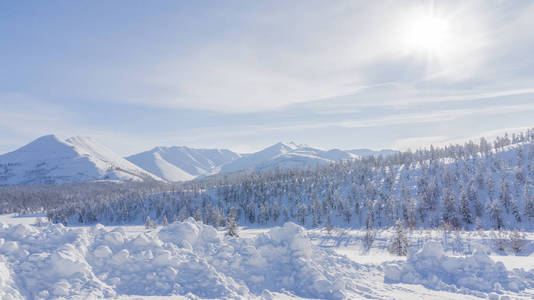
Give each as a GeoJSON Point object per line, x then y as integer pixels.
{"type": "Point", "coordinates": [102, 251]}
{"type": "Point", "coordinates": [433, 269]}
{"type": "Point", "coordinates": [67, 261]}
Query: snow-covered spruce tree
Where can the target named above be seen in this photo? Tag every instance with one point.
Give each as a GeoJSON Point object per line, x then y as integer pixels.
{"type": "Point", "coordinates": [285, 214]}
{"type": "Point", "coordinates": [164, 220]}
{"type": "Point", "coordinates": [276, 211]}
{"type": "Point", "coordinates": [399, 241]}
{"type": "Point", "coordinates": [517, 241]}
{"type": "Point", "coordinates": [478, 224]}
{"type": "Point", "coordinates": [369, 238]}
{"type": "Point", "coordinates": [504, 194]}
{"type": "Point", "coordinates": [251, 212]}
{"type": "Point", "coordinates": [232, 228]}
{"type": "Point", "coordinates": [301, 214]}
{"type": "Point", "coordinates": [198, 215]}
{"type": "Point", "coordinates": [347, 214]}
{"type": "Point", "coordinates": [465, 209]}
{"type": "Point", "coordinates": [183, 216]}
{"type": "Point", "coordinates": [491, 185]}
{"type": "Point", "coordinates": [500, 241]}
{"type": "Point", "coordinates": [328, 224]}
{"type": "Point", "coordinates": [494, 211]}
{"type": "Point", "coordinates": [515, 211]}
{"type": "Point", "coordinates": [148, 223]}
{"type": "Point", "coordinates": [529, 208]}
{"type": "Point", "coordinates": [472, 195]}
{"type": "Point", "coordinates": [412, 208]}
{"type": "Point", "coordinates": [449, 208]}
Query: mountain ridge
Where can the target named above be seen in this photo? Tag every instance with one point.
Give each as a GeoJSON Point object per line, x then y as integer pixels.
{"type": "Point", "coordinates": [181, 163]}
{"type": "Point", "coordinates": [51, 160]}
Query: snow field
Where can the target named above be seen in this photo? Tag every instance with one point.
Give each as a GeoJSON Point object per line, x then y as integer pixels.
{"type": "Point", "coordinates": [190, 260]}
{"type": "Point", "coordinates": [183, 258]}
{"type": "Point", "coordinates": [474, 274]}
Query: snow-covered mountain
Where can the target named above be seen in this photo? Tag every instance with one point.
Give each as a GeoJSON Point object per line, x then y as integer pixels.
{"type": "Point", "coordinates": [369, 152]}
{"type": "Point", "coordinates": [182, 163]}
{"type": "Point", "coordinates": [285, 155]}
{"type": "Point", "coordinates": [50, 160]}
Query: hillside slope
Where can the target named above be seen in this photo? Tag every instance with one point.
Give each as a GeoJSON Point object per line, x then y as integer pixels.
{"type": "Point", "coordinates": [285, 155]}
{"type": "Point", "coordinates": [182, 163]}
{"type": "Point", "coordinates": [50, 160]}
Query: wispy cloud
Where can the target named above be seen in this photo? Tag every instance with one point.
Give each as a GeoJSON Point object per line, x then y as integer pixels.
{"type": "Point", "coordinates": [233, 73]}
{"type": "Point", "coordinates": [413, 143]}
{"type": "Point", "coordinates": [266, 57]}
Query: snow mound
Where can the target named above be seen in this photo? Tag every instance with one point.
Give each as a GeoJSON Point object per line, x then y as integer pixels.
{"type": "Point", "coordinates": [185, 258]}
{"type": "Point", "coordinates": [474, 274]}
{"type": "Point", "coordinates": [7, 286]}
{"type": "Point", "coordinates": [49, 262]}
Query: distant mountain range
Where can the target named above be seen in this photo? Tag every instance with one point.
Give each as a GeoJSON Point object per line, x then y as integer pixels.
{"type": "Point", "coordinates": [183, 163]}
{"type": "Point", "coordinates": [50, 160]}
{"type": "Point", "coordinates": [285, 156]}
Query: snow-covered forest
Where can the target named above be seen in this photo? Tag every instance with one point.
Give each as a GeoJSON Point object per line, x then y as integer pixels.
{"type": "Point", "coordinates": [483, 184]}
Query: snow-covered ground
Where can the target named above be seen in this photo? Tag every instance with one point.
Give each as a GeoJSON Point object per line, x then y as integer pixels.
{"type": "Point", "coordinates": [190, 260]}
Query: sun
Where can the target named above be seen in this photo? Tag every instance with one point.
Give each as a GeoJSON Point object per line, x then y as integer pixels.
{"type": "Point", "coordinates": [427, 32]}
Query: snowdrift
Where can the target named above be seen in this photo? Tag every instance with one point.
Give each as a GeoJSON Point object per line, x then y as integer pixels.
{"type": "Point", "coordinates": [475, 274]}
{"type": "Point", "coordinates": [186, 258]}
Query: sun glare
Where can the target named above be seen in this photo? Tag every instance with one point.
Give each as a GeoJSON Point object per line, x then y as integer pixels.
{"type": "Point", "coordinates": [428, 33]}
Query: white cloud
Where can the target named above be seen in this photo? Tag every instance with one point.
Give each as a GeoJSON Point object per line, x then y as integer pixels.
{"type": "Point", "coordinates": [414, 143]}
{"type": "Point", "coordinates": [287, 53]}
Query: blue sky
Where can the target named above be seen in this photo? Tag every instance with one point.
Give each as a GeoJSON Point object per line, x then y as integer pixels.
{"type": "Point", "coordinates": [246, 74]}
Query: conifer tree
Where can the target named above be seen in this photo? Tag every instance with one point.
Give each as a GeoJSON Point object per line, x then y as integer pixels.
{"type": "Point", "coordinates": [148, 223]}
{"type": "Point", "coordinates": [328, 224]}
{"type": "Point", "coordinates": [517, 241]}
{"type": "Point", "coordinates": [399, 242]}
{"type": "Point", "coordinates": [232, 228]}
{"type": "Point", "coordinates": [465, 208]}
{"type": "Point", "coordinates": [494, 211]}
{"type": "Point", "coordinates": [164, 220]}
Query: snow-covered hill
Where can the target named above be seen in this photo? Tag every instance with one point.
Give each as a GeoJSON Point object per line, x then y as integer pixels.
{"type": "Point", "coordinates": [369, 152]}
{"type": "Point", "coordinates": [50, 160]}
{"type": "Point", "coordinates": [286, 155]}
{"type": "Point", "coordinates": [182, 163]}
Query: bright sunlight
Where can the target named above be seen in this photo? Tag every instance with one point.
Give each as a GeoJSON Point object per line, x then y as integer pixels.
{"type": "Point", "coordinates": [428, 33]}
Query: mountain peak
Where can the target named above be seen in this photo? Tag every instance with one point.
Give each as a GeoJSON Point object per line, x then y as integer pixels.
{"type": "Point", "coordinates": [179, 163]}
{"type": "Point", "coordinates": [47, 143]}
{"type": "Point", "coordinates": [47, 139]}
{"type": "Point", "coordinates": [49, 160]}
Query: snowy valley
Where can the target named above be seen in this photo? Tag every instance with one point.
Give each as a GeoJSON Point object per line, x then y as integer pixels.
{"type": "Point", "coordinates": [452, 222]}
{"type": "Point", "coordinates": [292, 150]}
